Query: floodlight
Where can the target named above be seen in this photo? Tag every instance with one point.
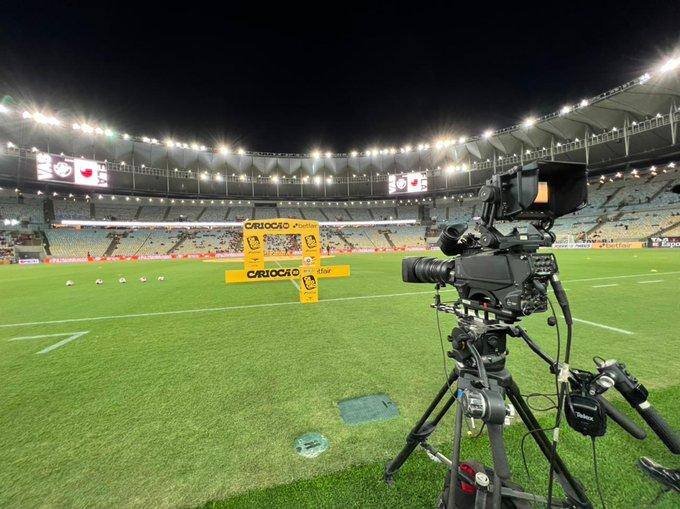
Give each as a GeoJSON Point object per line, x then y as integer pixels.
{"type": "Point", "coordinates": [670, 65]}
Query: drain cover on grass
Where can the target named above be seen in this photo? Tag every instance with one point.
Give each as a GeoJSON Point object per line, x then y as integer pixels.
{"type": "Point", "coordinates": [310, 445]}
{"type": "Point", "coordinates": [373, 408]}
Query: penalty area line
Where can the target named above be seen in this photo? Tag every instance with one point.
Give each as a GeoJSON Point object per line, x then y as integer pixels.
{"type": "Point", "coordinates": [210, 310]}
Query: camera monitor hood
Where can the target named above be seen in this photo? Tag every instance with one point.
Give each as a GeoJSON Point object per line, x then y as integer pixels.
{"type": "Point", "coordinates": [541, 189]}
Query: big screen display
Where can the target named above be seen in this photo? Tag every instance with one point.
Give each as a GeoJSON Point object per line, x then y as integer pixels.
{"type": "Point", "coordinates": [69, 170]}
{"type": "Point", "coordinates": [413, 182]}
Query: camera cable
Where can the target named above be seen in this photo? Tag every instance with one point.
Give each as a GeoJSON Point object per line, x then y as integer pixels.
{"type": "Point", "coordinates": [597, 475]}
{"type": "Point", "coordinates": [560, 385]}
{"type": "Point", "coordinates": [441, 342]}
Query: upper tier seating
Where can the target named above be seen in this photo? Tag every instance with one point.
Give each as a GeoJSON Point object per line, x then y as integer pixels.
{"type": "Point", "coordinates": [71, 209]}
{"type": "Point", "coordinates": [31, 209]}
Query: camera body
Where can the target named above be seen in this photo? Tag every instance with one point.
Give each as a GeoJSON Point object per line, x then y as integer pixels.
{"type": "Point", "coordinates": [508, 284]}
{"type": "Point", "coordinates": [504, 274]}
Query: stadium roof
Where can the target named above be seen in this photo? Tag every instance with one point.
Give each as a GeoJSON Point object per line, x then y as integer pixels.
{"type": "Point", "coordinates": [635, 120]}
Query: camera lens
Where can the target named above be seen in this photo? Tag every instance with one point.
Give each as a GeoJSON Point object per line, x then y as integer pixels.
{"type": "Point", "coordinates": [426, 270]}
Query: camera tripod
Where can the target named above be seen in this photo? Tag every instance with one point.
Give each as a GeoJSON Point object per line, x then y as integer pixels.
{"type": "Point", "coordinates": [481, 385]}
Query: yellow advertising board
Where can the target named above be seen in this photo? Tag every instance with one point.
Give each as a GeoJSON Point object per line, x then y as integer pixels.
{"type": "Point", "coordinates": [308, 274]}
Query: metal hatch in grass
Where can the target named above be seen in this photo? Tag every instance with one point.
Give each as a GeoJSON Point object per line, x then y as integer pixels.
{"type": "Point", "coordinates": [365, 409]}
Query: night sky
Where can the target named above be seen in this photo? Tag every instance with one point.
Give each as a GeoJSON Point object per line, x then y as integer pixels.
{"type": "Point", "coordinates": [330, 76]}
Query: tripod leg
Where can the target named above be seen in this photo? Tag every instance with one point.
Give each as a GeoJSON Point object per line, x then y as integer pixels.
{"type": "Point", "coordinates": [423, 429]}
{"type": "Point", "coordinates": [571, 486]}
{"type": "Point", "coordinates": [455, 457]}
{"type": "Point", "coordinates": [500, 461]}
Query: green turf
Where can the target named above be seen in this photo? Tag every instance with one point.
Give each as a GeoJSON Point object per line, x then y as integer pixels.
{"type": "Point", "coordinates": [180, 409]}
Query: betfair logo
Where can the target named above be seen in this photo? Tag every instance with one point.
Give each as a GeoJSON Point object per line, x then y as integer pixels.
{"type": "Point", "coordinates": [304, 226]}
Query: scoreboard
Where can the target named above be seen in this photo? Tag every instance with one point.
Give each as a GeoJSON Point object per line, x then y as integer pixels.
{"type": "Point", "coordinates": [404, 183]}
{"type": "Point", "coordinates": [70, 170]}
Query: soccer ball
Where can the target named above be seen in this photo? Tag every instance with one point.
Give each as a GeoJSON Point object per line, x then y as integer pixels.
{"type": "Point", "coordinates": [161, 278]}
{"type": "Point", "coordinates": [69, 283]}
{"type": "Point", "coordinates": [99, 282]}
{"type": "Point", "coordinates": [142, 279]}
{"type": "Point", "coordinates": [122, 280]}
{"type": "Point", "coordinates": [307, 260]}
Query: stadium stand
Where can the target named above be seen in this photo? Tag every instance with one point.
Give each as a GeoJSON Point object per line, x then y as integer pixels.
{"type": "Point", "coordinates": [119, 211]}
{"type": "Point", "coordinates": [265, 212]}
{"type": "Point", "coordinates": [72, 243]}
{"type": "Point", "coordinates": [71, 209]}
{"type": "Point", "coordinates": [6, 245]}
{"type": "Point", "coordinates": [626, 208]}
{"type": "Point", "coordinates": [214, 214]}
{"type": "Point", "coordinates": [294, 213]}
{"type": "Point", "coordinates": [240, 213]}
{"type": "Point", "coordinates": [153, 213]}
{"type": "Point", "coordinates": [21, 208]}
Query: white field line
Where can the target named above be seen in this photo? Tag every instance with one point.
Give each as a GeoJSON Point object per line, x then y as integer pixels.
{"type": "Point", "coordinates": [62, 342]}
{"type": "Point", "coordinates": [274, 304]}
{"type": "Point", "coordinates": [654, 281]}
{"type": "Point", "coordinates": [604, 286]}
{"type": "Point", "coordinates": [602, 326]}
{"type": "Point", "coordinates": [42, 336]}
{"type": "Point", "coordinates": [59, 344]}
{"type": "Point", "coordinates": [619, 277]}
{"type": "Point", "coordinates": [212, 310]}
{"type": "Point", "coordinates": [295, 283]}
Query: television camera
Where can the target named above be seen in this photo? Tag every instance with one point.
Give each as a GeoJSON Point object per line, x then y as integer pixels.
{"type": "Point", "coordinates": [501, 278]}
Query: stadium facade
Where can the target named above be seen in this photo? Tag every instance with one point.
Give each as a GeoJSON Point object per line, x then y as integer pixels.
{"type": "Point", "coordinates": [630, 124]}
{"type": "Point", "coordinates": [63, 170]}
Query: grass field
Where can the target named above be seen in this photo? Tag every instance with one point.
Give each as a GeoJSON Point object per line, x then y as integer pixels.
{"type": "Point", "coordinates": [188, 392]}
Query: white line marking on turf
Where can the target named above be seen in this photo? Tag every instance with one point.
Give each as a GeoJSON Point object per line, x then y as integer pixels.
{"type": "Point", "coordinates": [604, 286]}
{"type": "Point", "coordinates": [595, 324]}
{"type": "Point", "coordinates": [295, 283]}
{"type": "Point", "coordinates": [212, 310]}
{"type": "Point", "coordinates": [654, 281]}
{"type": "Point", "coordinates": [272, 304]}
{"type": "Point", "coordinates": [619, 277]}
{"type": "Point", "coordinates": [59, 344]}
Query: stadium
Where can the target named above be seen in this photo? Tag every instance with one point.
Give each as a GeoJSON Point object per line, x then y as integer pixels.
{"type": "Point", "coordinates": [135, 374]}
